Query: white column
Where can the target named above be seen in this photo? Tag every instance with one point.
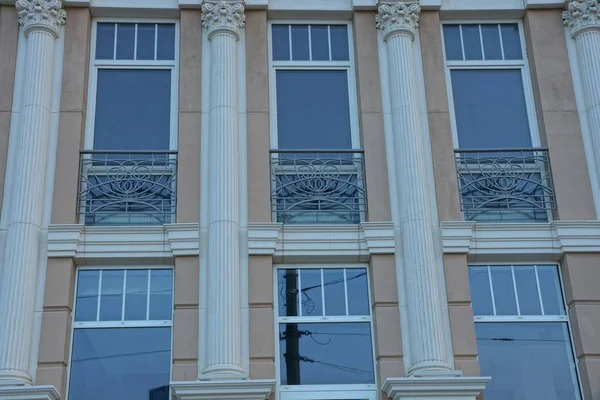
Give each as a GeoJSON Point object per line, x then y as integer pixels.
{"type": "Point", "coordinates": [428, 348]}
{"type": "Point", "coordinates": [583, 21]}
{"type": "Point", "coordinates": [41, 21]}
{"type": "Point", "coordinates": [224, 359]}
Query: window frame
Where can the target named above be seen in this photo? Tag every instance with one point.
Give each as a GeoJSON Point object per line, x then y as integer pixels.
{"type": "Point", "coordinates": [95, 65]}
{"type": "Point", "coordinates": [534, 318]}
{"type": "Point", "coordinates": [118, 324]}
{"type": "Point", "coordinates": [329, 391]}
{"type": "Point", "coordinates": [348, 66]}
{"type": "Point", "coordinates": [522, 65]}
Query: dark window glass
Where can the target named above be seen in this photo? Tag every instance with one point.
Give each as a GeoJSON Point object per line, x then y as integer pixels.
{"type": "Point", "coordinates": [326, 353]}
{"type": "Point", "coordinates": [87, 296]}
{"type": "Point", "coordinates": [491, 42]}
{"type": "Point", "coordinates": [551, 290]}
{"type": "Point", "coordinates": [105, 41]}
{"type": "Point", "coordinates": [529, 300]}
{"type": "Point", "coordinates": [452, 42]}
{"type": "Point", "coordinates": [146, 37]}
{"type": "Point", "coordinates": [165, 46]}
{"type": "Point", "coordinates": [480, 291]}
{"type": "Point", "coordinates": [300, 50]}
{"type": "Point", "coordinates": [319, 42]}
{"type": "Point", "coordinates": [511, 41]}
{"type": "Point", "coordinates": [335, 295]}
{"type": "Point", "coordinates": [281, 42]}
{"type": "Point", "coordinates": [310, 296]}
{"type": "Point", "coordinates": [490, 109]}
{"type": "Point", "coordinates": [161, 294]}
{"type": "Point", "coordinates": [472, 42]}
{"type": "Point", "coordinates": [125, 41]}
{"type": "Point", "coordinates": [339, 42]}
{"type": "Point", "coordinates": [313, 110]}
{"type": "Point", "coordinates": [111, 298]}
{"type": "Point", "coordinates": [120, 364]}
{"type": "Point", "coordinates": [136, 295]}
{"type": "Point", "coordinates": [527, 361]}
{"type": "Point", "coordinates": [358, 292]}
{"type": "Point", "coordinates": [133, 110]}
{"type": "Point", "coordinates": [287, 284]}
{"type": "Point", "coordinates": [504, 291]}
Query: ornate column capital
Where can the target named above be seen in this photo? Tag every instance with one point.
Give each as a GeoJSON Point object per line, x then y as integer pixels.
{"type": "Point", "coordinates": [45, 15]}
{"type": "Point", "coordinates": [398, 18]}
{"type": "Point", "coordinates": [581, 15]}
{"type": "Point", "coordinates": [222, 15]}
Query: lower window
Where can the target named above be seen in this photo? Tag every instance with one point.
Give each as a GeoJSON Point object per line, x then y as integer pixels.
{"type": "Point", "coordinates": [122, 335]}
{"type": "Point", "coordinates": [522, 333]}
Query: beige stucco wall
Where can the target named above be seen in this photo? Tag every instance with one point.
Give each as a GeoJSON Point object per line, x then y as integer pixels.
{"type": "Point", "coordinates": [9, 34]}
{"type": "Point", "coordinates": [557, 113]}
{"type": "Point", "coordinates": [73, 107]}
{"type": "Point", "coordinates": [190, 112]}
{"type": "Point", "coordinates": [370, 113]}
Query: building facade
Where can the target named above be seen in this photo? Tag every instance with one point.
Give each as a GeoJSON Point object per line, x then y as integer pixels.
{"type": "Point", "coordinates": [299, 199]}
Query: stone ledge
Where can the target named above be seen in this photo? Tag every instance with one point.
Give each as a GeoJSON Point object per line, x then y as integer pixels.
{"type": "Point", "coordinates": [223, 390]}
{"type": "Point", "coordinates": [431, 388]}
{"type": "Point", "coordinates": [28, 393]}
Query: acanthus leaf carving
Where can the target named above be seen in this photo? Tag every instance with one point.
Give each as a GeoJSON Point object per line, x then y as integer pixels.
{"type": "Point", "coordinates": [398, 17]}
{"type": "Point", "coordinates": [581, 15]}
{"type": "Point", "coordinates": [41, 14]}
{"type": "Point", "coordinates": [223, 15]}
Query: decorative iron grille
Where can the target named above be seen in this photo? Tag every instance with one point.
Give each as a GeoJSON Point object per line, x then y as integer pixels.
{"type": "Point", "coordinates": [512, 185]}
{"type": "Point", "coordinates": [318, 186]}
{"type": "Point", "coordinates": [127, 187]}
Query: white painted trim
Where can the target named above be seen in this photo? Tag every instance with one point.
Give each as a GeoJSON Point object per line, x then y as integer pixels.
{"type": "Point", "coordinates": [28, 393]}
{"type": "Point", "coordinates": [250, 389]}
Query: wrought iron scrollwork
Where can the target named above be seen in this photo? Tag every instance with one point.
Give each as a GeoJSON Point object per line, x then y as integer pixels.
{"type": "Point", "coordinates": [507, 184]}
{"type": "Point", "coordinates": [127, 187]}
{"type": "Point", "coordinates": [313, 186]}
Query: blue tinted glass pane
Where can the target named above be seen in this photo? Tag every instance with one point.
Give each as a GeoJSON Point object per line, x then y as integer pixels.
{"type": "Point", "coordinates": [310, 293]}
{"type": "Point", "coordinates": [490, 109]}
{"type": "Point", "coordinates": [165, 47]}
{"type": "Point", "coordinates": [319, 42]}
{"type": "Point", "coordinates": [121, 364]}
{"type": "Point", "coordinates": [511, 41]}
{"type": "Point", "coordinates": [146, 37]}
{"type": "Point", "coordinates": [504, 291]}
{"type": "Point", "coordinates": [339, 42]}
{"type": "Point", "coordinates": [133, 110]}
{"type": "Point", "coordinates": [527, 361]}
{"type": "Point", "coordinates": [472, 42]}
{"type": "Point", "coordinates": [335, 295]}
{"type": "Point", "coordinates": [86, 306]}
{"type": "Point", "coordinates": [452, 42]}
{"type": "Point", "coordinates": [287, 289]}
{"type": "Point", "coordinates": [281, 42]}
{"type": "Point", "coordinates": [529, 300]}
{"type": "Point", "coordinates": [481, 295]}
{"type": "Point", "coordinates": [326, 353]}
{"type": "Point", "coordinates": [125, 41]}
{"type": "Point", "coordinates": [136, 295]}
{"type": "Point", "coordinates": [105, 41]}
{"type": "Point", "coordinates": [551, 290]}
{"type": "Point", "coordinates": [358, 292]}
{"type": "Point", "coordinates": [313, 110]}
{"type": "Point", "coordinates": [161, 294]}
{"type": "Point", "coordinates": [111, 299]}
{"type": "Point", "coordinates": [491, 42]}
{"type": "Point", "coordinates": [300, 42]}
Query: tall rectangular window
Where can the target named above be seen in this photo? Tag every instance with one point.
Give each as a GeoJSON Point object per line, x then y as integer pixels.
{"type": "Point", "coordinates": [128, 168]}
{"type": "Point", "coordinates": [522, 332]}
{"type": "Point", "coordinates": [317, 169]}
{"type": "Point", "coordinates": [503, 173]}
{"type": "Point", "coordinates": [122, 334]}
{"type": "Point", "coordinates": [325, 341]}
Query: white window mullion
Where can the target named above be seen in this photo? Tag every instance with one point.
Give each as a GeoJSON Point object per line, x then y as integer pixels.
{"type": "Point", "coordinates": [124, 295]}
{"type": "Point", "coordinates": [99, 296]}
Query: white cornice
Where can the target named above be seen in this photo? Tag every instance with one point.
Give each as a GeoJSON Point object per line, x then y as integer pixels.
{"type": "Point", "coordinates": [28, 393]}
{"type": "Point", "coordinates": [251, 389]}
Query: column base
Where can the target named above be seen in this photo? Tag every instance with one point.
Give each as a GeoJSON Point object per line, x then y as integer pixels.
{"type": "Point", "coordinates": [435, 388]}
{"type": "Point", "coordinates": [223, 390]}
{"type": "Point", "coordinates": [28, 393]}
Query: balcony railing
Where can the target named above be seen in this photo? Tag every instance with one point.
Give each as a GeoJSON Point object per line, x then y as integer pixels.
{"type": "Point", "coordinates": [318, 186]}
{"type": "Point", "coordinates": [511, 185]}
{"type": "Point", "coordinates": [127, 187]}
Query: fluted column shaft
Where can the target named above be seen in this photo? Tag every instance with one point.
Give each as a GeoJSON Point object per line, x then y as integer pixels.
{"type": "Point", "coordinates": [427, 344]}
{"type": "Point", "coordinates": [41, 23]}
{"type": "Point", "coordinates": [583, 21]}
{"type": "Point", "coordinates": [224, 343]}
